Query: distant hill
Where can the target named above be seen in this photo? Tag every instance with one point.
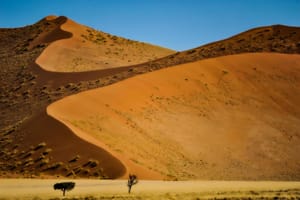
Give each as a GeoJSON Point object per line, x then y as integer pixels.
{"type": "Point", "coordinates": [87, 49]}
{"type": "Point", "coordinates": [33, 143]}
{"type": "Point", "coordinates": [276, 38]}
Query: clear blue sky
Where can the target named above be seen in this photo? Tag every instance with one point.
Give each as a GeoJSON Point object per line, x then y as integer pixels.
{"type": "Point", "coordinates": [176, 24]}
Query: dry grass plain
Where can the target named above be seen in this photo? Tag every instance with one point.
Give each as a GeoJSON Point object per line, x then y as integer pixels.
{"type": "Point", "coordinates": [116, 189]}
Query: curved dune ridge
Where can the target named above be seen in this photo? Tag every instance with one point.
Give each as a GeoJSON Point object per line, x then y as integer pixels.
{"type": "Point", "coordinates": [232, 117]}
{"type": "Point", "coordinates": [175, 123]}
{"type": "Point", "coordinates": [65, 146]}
{"type": "Point", "coordinates": [48, 31]}
{"type": "Point", "coordinates": [88, 49]}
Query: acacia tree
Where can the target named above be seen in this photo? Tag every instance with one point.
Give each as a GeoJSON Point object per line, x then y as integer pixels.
{"type": "Point", "coordinates": [132, 180]}
{"type": "Point", "coordinates": [64, 186]}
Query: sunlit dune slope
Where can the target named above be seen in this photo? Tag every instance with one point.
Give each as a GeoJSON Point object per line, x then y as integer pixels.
{"type": "Point", "coordinates": [233, 117]}
{"type": "Point", "coordinates": [87, 49]}
{"type": "Point", "coordinates": [275, 38]}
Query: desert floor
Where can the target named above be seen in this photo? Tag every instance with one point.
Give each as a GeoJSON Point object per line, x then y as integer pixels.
{"type": "Point", "coordinates": [117, 189]}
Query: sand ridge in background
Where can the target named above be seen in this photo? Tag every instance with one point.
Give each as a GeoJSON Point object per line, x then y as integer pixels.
{"type": "Point", "coordinates": [88, 49]}
{"type": "Point", "coordinates": [230, 118]}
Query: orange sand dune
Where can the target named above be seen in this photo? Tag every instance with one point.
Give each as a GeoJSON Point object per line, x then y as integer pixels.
{"type": "Point", "coordinates": [88, 49]}
{"type": "Point", "coordinates": [233, 117]}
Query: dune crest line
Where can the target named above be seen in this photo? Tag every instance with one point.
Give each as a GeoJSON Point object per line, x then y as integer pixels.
{"type": "Point", "coordinates": [220, 118]}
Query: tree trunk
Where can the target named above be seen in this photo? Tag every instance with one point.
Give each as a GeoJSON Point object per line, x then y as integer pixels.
{"type": "Point", "coordinates": [64, 191]}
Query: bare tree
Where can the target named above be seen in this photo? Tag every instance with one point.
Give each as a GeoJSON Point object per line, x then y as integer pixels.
{"type": "Point", "coordinates": [64, 186]}
{"type": "Point", "coordinates": [132, 180]}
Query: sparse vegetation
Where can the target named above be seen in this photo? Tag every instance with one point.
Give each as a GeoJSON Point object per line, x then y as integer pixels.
{"type": "Point", "coordinates": [77, 170]}
{"type": "Point", "coordinates": [91, 163]}
{"type": "Point", "coordinates": [132, 180]}
{"type": "Point", "coordinates": [55, 166]}
{"type": "Point", "coordinates": [44, 162]}
{"type": "Point", "coordinates": [64, 186]}
{"type": "Point", "coordinates": [28, 154]}
{"type": "Point", "coordinates": [47, 151]}
{"type": "Point", "coordinates": [225, 72]}
{"type": "Point", "coordinates": [39, 146]}
{"type": "Point", "coordinates": [75, 159]}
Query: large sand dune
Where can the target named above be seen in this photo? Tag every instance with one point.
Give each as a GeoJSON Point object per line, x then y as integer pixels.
{"type": "Point", "coordinates": [234, 117]}
{"type": "Point", "coordinates": [87, 49]}
{"type": "Point", "coordinates": [176, 123]}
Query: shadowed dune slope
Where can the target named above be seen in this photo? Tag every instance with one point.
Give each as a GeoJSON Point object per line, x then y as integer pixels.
{"type": "Point", "coordinates": [88, 49]}
{"type": "Point", "coordinates": [65, 147]}
{"type": "Point", "coordinates": [233, 117]}
{"type": "Point", "coordinates": [48, 31]}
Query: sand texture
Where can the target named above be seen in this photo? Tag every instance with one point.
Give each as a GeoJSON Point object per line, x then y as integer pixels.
{"type": "Point", "coordinates": [230, 118]}
{"type": "Point", "coordinates": [88, 49]}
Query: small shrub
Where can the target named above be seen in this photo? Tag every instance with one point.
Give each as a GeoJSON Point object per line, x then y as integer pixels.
{"type": "Point", "coordinates": [44, 162]}
{"type": "Point", "coordinates": [41, 45]}
{"type": "Point", "coordinates": [71, 173]}
{"type": "Point", "coordinates": [75, 159]}
{"type": "Point", "coordinates": [91, 163]}
{"type": "Point", "coordinates": [97, 174]}
{"type": "Point", "coordinates": [191, 51]}
{"type": "Point", "coordinates": [86, 171]}
{"type": "Point", "coordinates": [225, 72]}
{"type": "Point", "coordinates": [22, 153]}
{"type": "Point", "coordinates": [47, 151]}
{"type": "Point", "coordinates": [42, 157]}
{"type": "Point", "coordinates": [28, 162]}
{"type": "Point", "coordinates": [77, 170]}
{"type": "Point", "coordinates": [55, 166]}
{"type": "Point", "coordinates": [28, 154]}
{"type": "Point", "coordinates": [39, 146]}
{"type": "Point", "coordinates": [69, 85]}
